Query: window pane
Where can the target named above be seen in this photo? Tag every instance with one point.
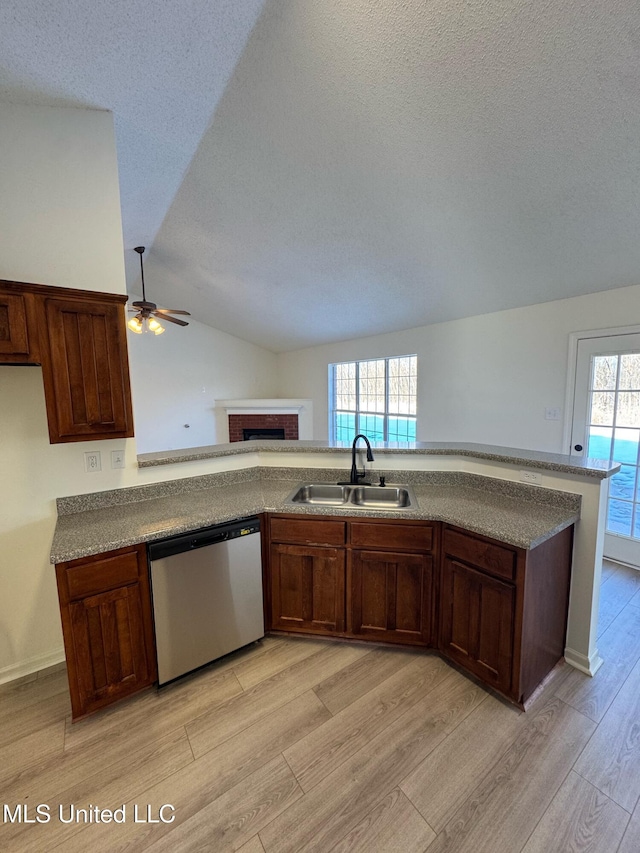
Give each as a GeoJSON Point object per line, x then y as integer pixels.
{"type": "Point", "coordinates": [345, 429]}
{"type": "Point", "coordinates": [628, 410]}
{"type": "Point", "coordinates": [600, 439]}
{"type": "Point", "coordinates": [619, 517]}
{"type": "Point", "coordinates": [376, 397]}
{"type": "Point", "coordinates": [345, 385]}
{"type": "Point", "coordinates": [602, 407]}
{"type": "Point", "coordinates": [605, 368]}
{"type": "Point", "coordinates": [630, 371]}
{"type": "Point", "coordinates": [625, 445]}
{"type": "Point", "coordinates": [402, 429]}
{"type": "Point", "coordinates": [402, 385]}
{"type": "Point", "coordinates": [372, 426]}
{"type": "Point", "coordinates": [372, 386]}
{"type": "Point", "coordinates": [623, 483]}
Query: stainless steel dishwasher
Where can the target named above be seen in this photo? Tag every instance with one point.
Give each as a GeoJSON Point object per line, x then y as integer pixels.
{"type": "Point", "coordinates": [207, 595]}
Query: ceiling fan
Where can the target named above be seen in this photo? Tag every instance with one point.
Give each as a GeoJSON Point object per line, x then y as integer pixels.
{"type": "Point", "coordinates": [146, 312]}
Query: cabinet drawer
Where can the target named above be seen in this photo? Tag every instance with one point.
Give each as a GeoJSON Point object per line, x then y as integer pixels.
{"type": "Point", "coordinates": [483, 555]}
{"type": "Point", "coordinates": [102, 575]}
{"type": "Point", "coordinates": [394, 536]}
{"type": "Point", "coordinates": [308, 531]}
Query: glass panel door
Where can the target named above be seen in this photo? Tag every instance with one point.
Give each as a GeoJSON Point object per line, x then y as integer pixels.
{"type": "Point", "coordinates": [607, 426]}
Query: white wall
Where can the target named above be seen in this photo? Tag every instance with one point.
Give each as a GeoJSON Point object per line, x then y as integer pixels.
{"type": "Point", "coordinates": [486, 379]}
{"type": "Point", "coordinates": [60, 213]}
{"type": "Point", "coordinates": [59, 225]}
{"type": "Point", "coordinates": [176, 378]}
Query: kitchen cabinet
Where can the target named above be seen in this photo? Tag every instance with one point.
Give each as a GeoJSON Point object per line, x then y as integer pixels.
{"type": "Point", "coordinates": [391, 582]}
{"type": "Point", "coordinates": [85, 367]}
{"type": "Point", "coordinates": [79, 337]}
{"type": "Point", "coordinates": [477, 622]}
{"type": "Point", "coordinates": [498, 611]}
{"type": "Point", "coordinates": [18, 335]}
{"type": "Point", "coordinates": [371, 580]}
{"type": "Point", "coordinates": [107, 626]}
{"type": "Point", "coordinates": [503, 611]}
{"type": "Point", "coordinates": [307, 580]}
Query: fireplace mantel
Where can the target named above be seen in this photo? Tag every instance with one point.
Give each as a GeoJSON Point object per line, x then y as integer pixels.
{"type": "Point", "coordinates": [303, 408]}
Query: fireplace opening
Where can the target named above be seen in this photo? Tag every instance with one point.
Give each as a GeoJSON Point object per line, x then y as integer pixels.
{"type": "Point", "coordinates": [245, 427]}
{"type": "Point", "coordinates": [261, 433]}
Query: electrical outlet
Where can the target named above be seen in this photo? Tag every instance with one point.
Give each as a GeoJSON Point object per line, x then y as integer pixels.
{"type": "Point", "coordinates": [92, 461]}
{"type": "Point", "coordinates": [533, 478]}
{"type": "Point", "coordinates": [117, 458]}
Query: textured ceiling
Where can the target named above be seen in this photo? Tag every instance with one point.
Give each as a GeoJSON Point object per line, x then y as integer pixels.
{"type": "Point", "coordinates": [366, 166]}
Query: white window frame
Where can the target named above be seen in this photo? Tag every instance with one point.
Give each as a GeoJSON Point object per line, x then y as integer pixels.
{"type": "Point", "coordinates": [357, 412]}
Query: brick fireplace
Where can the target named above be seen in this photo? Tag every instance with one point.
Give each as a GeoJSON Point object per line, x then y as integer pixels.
{"type": "Point", "coordinates": [255, 423]}
{"type": "Point", "coordinates": [291, 419]}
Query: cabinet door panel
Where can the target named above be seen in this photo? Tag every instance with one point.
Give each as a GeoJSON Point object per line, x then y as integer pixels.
{"type": "Point", "coordinates": [108, 638]}
{"type": "Point", "coordinates": [307, 588]}
{"type": "Point", "coordinates": [477, 622]}
{"type": "Point", "coordinates": [86, 376]}
{"type": "Point", "coordinates": [105, 606]}
{"type": "Point", "coordinates": [391, 596]}
{"type": "Point", "coordinates": [17, 328]}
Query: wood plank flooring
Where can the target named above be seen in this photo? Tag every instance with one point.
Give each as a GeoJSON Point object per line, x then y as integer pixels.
{"type": "Point", "coordinates": [312, 745]}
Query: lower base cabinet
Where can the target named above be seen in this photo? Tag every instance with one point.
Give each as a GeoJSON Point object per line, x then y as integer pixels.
{"type": "Point", "coordinates": [361, 579]}
{"type": "Point", "coordinates": [391, 596]}
{"type": "Point", "coordinates": [497, 611]}
{"type": "Point", "coordinates": [503, 610]}
{"type": "Point", "coordinates": [107, 625]}
{"type": "Point", "coordinates": [477, 622]}
{"type": "Point", "coordinates": [307, 589]}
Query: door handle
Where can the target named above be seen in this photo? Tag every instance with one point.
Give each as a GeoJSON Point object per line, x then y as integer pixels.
{"type": "Point", "coordinates": [578, 447]}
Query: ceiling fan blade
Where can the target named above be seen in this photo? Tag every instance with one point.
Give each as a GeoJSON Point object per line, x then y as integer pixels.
{"type": "Point", "coordinates": [170, 319]}
{"type": "Point", "coordinates": [172, 311]}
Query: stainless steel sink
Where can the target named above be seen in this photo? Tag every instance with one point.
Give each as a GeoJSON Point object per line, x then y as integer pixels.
{"type": "Point", "coordinates": [353, 497]}
{"type": "Point", "coordinates": [381, 497]}
{"type": "Point", "coordinates": [323, 494]}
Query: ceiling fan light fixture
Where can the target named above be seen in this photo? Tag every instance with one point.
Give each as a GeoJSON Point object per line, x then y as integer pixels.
{"type": "Point", "coordinates": [135, 325]}
{"type": "Point", "coordinates": [154, 326]}
{"type": "Point", "coordinates": [145, 318]}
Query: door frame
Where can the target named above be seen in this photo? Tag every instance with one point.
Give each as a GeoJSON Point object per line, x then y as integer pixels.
{"type": "Point", "coordinates": [572, 366]}
{"type": "Point", "coordinates": [570, 399]}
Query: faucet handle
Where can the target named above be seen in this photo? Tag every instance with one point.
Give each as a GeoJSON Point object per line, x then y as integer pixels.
{"type": "Point", "coordinates": [382, 481]}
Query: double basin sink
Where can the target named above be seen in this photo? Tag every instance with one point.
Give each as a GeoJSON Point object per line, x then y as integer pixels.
{"type": "Point", "coordinates": [353, 497]}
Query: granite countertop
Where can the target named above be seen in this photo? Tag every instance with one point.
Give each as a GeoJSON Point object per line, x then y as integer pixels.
{"type": "Point", "coordinates": [582, 465]}
{"type": "Point", "coordinates": [518, 515]}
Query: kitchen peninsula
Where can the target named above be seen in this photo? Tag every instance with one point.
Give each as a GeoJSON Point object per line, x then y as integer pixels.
{"type": "Point", "coordinates": [472, 488]}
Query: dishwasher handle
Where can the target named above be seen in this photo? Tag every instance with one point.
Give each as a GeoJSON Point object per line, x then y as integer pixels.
{"type": "Point", "coordinates": [202, 538]}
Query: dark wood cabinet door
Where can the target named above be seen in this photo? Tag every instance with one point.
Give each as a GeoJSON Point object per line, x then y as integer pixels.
{"type": "Point", "coordinates": [18, 337]}
{"type": "Point", "coordinates": [392, 596]}
{"type": "Point", "coordinates": [477, 622]}
{"type": "Point", "coordinates": [307, 589]}
{"type": "Point", "coordinates": [107, 626]}
{"type": "Point", "coordinates": [109, 641]}
{"type": "Point", "coordinates": [86, 373]}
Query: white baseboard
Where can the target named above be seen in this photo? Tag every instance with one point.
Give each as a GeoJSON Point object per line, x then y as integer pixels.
{"type": "Point", "coordinates": [588, 665]}
{"type": "Point", "coordinates": [28, 667]}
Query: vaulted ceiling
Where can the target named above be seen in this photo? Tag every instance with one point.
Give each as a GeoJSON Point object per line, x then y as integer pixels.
{"type": "Point", "coordinates": [313, 171]}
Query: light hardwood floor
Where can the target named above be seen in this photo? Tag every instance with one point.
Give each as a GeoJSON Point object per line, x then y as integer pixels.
{"type": "Point", "coordinates": [313, 745]}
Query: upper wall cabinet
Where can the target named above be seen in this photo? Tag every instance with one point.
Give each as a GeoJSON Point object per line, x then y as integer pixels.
{"type": "Point", "coordinates": [80, 339]}
{"type": "Point", "coordinates": [18, 338]}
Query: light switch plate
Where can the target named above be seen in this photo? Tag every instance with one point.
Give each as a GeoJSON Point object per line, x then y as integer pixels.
{"type": "Point", "coordinates": [552, 414]}
{"type": "Point", "coordinates": [117, 458]}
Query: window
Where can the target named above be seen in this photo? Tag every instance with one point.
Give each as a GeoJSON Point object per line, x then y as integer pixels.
{"type": "Point", "coordinates": [376, 397]}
